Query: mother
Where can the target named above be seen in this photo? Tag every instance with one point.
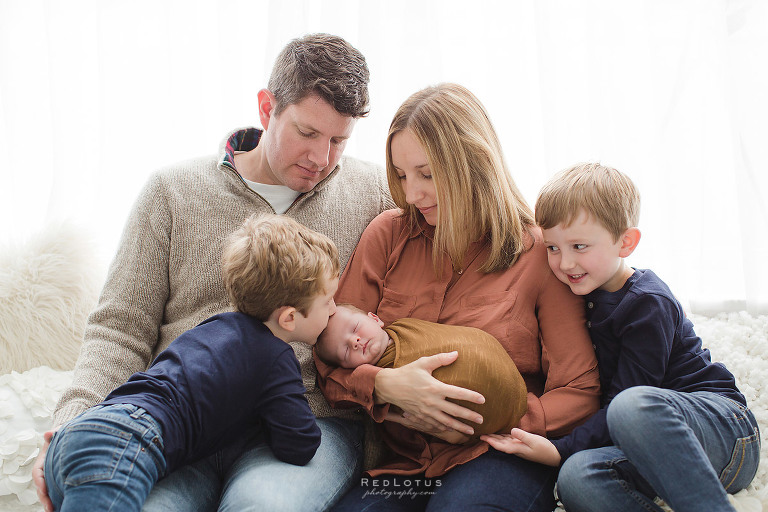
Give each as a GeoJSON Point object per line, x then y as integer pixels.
{"type": "Point", "coordinates": [462, 249]}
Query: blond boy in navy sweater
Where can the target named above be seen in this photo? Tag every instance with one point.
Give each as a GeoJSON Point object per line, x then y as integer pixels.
{"type": "Point", "coordinates": [673, 424]}
{"type": "Point", "coordinates": [232, 380]}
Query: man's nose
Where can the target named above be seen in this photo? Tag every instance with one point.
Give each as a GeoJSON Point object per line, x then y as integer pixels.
{"type": "Point", "coordinates": [319, 153]}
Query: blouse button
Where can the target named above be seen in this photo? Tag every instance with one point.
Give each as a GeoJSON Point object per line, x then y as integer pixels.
{"type": "Point", "coordinates": [590, 305]}
{"type": "Point", "coordinates": [589, 324]}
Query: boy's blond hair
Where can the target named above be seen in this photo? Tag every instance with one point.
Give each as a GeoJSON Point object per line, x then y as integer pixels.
{"type": "Point", "coordinates": [273, 261]}
{"type": "Point", "coordinates": [476, 195]}
{"type": "Point", "coordinates": [603, 192]}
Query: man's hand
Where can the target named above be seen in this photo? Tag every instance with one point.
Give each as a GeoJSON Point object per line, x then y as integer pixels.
{"type": "Point", "coordinates": [38, 477]}
{"type": "Point", "coordinates": [526, 445]}
{"type": "Point", "coordinates": [422, 397]}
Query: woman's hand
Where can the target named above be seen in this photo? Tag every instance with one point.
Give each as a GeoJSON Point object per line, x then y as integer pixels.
{"type": "Point", "coordinates": [526, 445]}
{"type": "Point", "coordinates": [422, 397]}
{"type": "Point", "coordinates": [453, 437]}
{"type": "Point", "coordinates": [448, 435]}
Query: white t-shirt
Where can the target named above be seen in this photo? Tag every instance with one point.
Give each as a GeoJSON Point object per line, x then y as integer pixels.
{"type": "Point", "coordinates": [279, 196]}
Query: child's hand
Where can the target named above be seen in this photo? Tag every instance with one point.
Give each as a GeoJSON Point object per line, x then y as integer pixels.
{"type": "Point", "coordinates": [526, 445]}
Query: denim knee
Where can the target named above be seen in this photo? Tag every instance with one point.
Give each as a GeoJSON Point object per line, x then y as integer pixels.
{"type": "Point", "coordinates": [572, 486]}
{"type": "Point", "coordinates": [586, 477]}
{"type": "Point", "coordinates": [633, 407]}
{"type": "Point", "coordinates": [572, 473]}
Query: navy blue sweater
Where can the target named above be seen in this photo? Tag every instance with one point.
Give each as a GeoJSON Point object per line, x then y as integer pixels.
{"type": "Point", "coordinates": [643, 338]}
{"type": "Point", "coordinates": [226, 380]}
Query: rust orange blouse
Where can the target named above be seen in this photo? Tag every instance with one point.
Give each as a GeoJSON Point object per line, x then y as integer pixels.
{"type": "Point", "coordinates": [535, 317]}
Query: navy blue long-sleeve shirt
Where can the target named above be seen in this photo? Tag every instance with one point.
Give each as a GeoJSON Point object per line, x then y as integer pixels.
{"type": "Point", "coordinates": [222, 381]}
{"type": "Point", "coordinates": [643, 338]}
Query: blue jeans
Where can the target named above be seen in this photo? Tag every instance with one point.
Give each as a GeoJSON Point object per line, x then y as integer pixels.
{"type": "Point", "coordinates": [690, 449]}
{"type": "Point", "coordinates": [238, 479]}
{"type": "Point", "coordinates": [494, 481]}
{"type": "Point", "coordinates": [108, 458]}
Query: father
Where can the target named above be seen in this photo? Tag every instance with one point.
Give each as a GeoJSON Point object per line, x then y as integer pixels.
{"type": "Point", "coordinates": [165, 278]}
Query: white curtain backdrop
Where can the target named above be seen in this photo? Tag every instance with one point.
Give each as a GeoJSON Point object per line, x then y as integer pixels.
{"type": "Point", "coordinates": [96, 94]}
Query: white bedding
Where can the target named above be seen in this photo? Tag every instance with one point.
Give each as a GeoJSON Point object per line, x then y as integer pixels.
{"type": "Point", "coordinates": [27, 400]}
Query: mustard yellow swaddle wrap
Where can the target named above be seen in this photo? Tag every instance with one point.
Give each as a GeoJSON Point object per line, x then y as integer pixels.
{"type": "Point", "coordinates": [483, 366]}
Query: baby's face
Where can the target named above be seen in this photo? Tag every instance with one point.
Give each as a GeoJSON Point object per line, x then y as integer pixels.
{"type": "Point", "coordinates": [353, 338]}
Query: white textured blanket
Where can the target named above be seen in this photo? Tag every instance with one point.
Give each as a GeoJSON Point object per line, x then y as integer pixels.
{"type": "Point", "coordinates": [27, 400]}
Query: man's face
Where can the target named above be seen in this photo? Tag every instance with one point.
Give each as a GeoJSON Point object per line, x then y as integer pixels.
{"type": "Point", "coordinates": [303, 143]}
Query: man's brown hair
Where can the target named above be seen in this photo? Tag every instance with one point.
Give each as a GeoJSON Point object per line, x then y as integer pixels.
{"type": "Point", "coordinates": [325, 65]}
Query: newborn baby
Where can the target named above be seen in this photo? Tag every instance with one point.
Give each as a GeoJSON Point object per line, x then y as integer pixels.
{"type": "Point", "coordinates": [354, 337]}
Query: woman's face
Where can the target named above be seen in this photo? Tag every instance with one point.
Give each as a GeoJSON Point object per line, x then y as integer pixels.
{"type": "Point", "coordinates": [415, 176]}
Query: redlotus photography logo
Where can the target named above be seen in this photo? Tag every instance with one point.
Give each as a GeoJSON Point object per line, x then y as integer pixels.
{"type": "Point", "coordinates": [409, 488]}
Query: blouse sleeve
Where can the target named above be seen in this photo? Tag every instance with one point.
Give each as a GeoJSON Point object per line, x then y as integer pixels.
{"type": "Point", "coordinates": [572, 385]}
{"type": "Point", "coordinates": [360, 285]}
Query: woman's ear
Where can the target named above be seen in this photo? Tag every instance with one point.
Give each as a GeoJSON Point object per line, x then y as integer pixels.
{"type": "Point", "coordinates": [267, 103]}
{"type": "Point", "coordinates": [629, 241]}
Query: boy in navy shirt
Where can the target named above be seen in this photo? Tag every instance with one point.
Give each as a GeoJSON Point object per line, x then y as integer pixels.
{"type": "Point", "coordinates": [233, 374]}
{"type": "Point", "coordinates": [673, 425]}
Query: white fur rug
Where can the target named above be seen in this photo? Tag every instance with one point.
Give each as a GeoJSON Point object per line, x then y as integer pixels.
{"type": "Point", "coordinates": [48, 286]}
{"type": "Point", "coordinates": [27, 400]}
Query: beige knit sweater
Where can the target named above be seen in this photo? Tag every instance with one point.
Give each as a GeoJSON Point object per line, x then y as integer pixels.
{"type": "Point", "coordinates": [165, 277]}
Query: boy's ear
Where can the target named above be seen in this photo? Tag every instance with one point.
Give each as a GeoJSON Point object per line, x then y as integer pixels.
{"type": "Point", "coordinates": [629, 241]}
{"type": "Point", "coordinates": [378, 320]}
{"type": "Point", "coordinates": [266, 102]}
{"type": "Point", "coordinates": [286, 318]}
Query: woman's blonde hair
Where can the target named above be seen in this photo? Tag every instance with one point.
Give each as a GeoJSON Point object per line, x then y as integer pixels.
{"type": "Point", "coordinates": [476, 196]}
{"type": "Point", "coordinates": [273, 261]}
{"type": "Point", "coordinates": [603, 192]}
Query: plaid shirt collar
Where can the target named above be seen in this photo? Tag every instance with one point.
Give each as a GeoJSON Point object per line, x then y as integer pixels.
{"type": "Point", "coordinates": [241, 140]}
